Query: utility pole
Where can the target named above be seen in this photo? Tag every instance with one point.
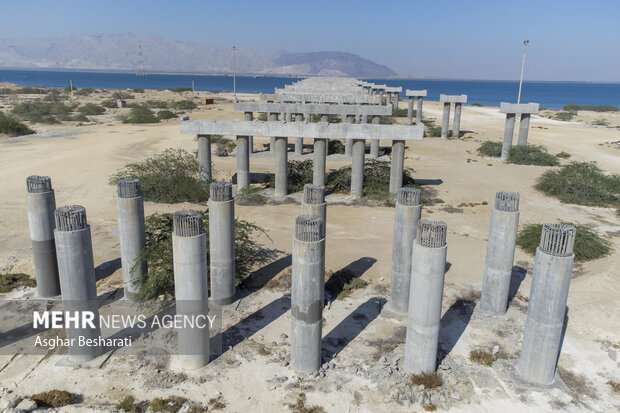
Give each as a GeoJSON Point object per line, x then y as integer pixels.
{"type": "Point", "coordinates": [193, 89]}
{"type": "Point", "coordinates": [71, 85]}
{"type": "Point", "coordinates": [234, 73]}
{"type": "Point", "coordinates": [525, 42]}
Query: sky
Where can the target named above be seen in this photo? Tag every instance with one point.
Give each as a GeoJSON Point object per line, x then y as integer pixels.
{"type": "Point", "coordinates": [446, 39]}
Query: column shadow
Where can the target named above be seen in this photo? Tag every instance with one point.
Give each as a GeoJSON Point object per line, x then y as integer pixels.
{"type": "Point", "coordinates": [259, 278]}
{"type": "Point", "coordinates": [453, 325]}
{"type": "Point", "coordinates": [105, 269]}
{"type": "Point", "coordinates": [338, 279]}
{"type": "Point", "coordinates": [516, 278]}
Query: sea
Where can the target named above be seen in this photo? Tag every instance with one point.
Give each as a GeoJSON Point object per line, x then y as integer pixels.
{"type": "Point", "coordinates": [550, 95]}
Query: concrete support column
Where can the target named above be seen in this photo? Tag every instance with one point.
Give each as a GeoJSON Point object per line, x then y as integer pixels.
{"type": "Point", "coordinates": [348, 143]}
{"type": "Point", "coordinates": [428, 267]}
{"type": "Point", "coordinates": [396, 99]}
{"type": "Point", "coordinates": [204, 159]}
{"type": "Point", "coordinates": [396, 169]}
{"type": "Point", "coordinates": [273, 117]}
{"type": "Point", "coordinates": [281, 170]}
{"type": "Point", "coordinates": [374, 143]}
{"type": "Point", "coordinates": [41, 203]}
{"type": "Point", "coordinates": [307, 284]}
{"type": "Point", "coordinates": [357, 167]}
{"type": "Point", "coordinates": [222, 243]}
{"type": "Point", "coordinates": [74, 251]}
{"type": "Point", "coordinates": [248, 116]}
{"type": "Point", "coordinates": [407, 213]}
{"type": "Point", "coordinates": [130, 211]}
{"type": "Point", "coordinates": [524, 127]}
{"type": "Point", "coordinates": [546, 310]}
{"type": "Point", "coordinates": [410, 111]}
{"type": "Point", "coordinates": [243, 162]}
{"type": "Point", "coordinates": [381, 97]}
{"type": "Point", "coordinates": [299, 142]}
{"type": "Point", "coordinates": [500, 253]}
{"type": "Point", "coordinates": [320, 156]}
{"type": "Point", "coordinates": [456, 126]}
{"type": "Point", "coordinates": [445, 122]}
{"type": "Point", "coordinates": [418, 114]}
{"type": "Point", "coordinates": [508, 132]}
{"type": "Point", "coordinates": [189, 253]}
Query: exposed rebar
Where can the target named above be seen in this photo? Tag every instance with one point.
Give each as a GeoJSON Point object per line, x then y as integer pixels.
{"type": "Point", "coordinates": [129, 188]}
{"type": "Point", "coordinates": [70, 218]}
{"type": "Point", "coordinates": [431, 234]}
{"type": "Point", "coordinates": [409, 196]}
{"type": "Point", "coordinates": [558, 239]}
{"type": "Point", "coordinates": [221, 191]}
{"type": "Point", "coordinates": [308, 228]}
{"type": "Point", "coordinates": [507, 201]}
{"type": "Point", "coordinates": [187, 223]}
{"type": "Point", "coordinates": [38, 184]}
{"type": "Point", "coordinates": [314, 194]}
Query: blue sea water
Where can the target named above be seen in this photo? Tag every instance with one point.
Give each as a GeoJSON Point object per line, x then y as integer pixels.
{"type": "Point", "coordinates": [551, 95]}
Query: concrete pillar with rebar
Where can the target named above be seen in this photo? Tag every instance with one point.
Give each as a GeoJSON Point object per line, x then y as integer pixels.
{"type": "Point", "coordinates": [314, 204]}
{"type": "Point", "coordinates": [428, 267]}
{"type": "Point", "coordinates": [307, 283]}
{"type": "Point", "coordinates": [41, 203]}
{"type": "Point", "coordinates": [222, 243]}
{"type": "Point", "coordinates": [500, 253]}
{"type": "Point", "coordinates": [189, 252]}
{"type": "Point", "coordinates": [407, 213]}
{"type": "Point", "coordinates": [131, 229]}
{"type": "Point", "coordinates": [546, 309]}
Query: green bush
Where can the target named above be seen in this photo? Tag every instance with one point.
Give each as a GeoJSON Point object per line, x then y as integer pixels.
{"type": "Point", "coordinates": [185, 105]}
{"type": "Point", "coordinates": [433, 131]}
{"type": "Point", "coordinates": [13, 127]}
{"type": "Point", "coordinates": [40, 112]}
{"type": "Point", "coordinates": [263, 117]}
{"type": "Point", "coordinates": [251, 195]}
{"type": "Point", "coordinates": [334, 146]}
{"type": "Point", "coordinates": [91, 109]}
{"type": "Point", "coordinates": [490, 148]}
{"type": "Point", "coordinates": [53, 398]}
{"type": "Point", "coordinates": [9, 282]}
{"type": "Point", "coordinates": [123, 95]}
{"type": "Point", "coordinates": [80, 117]}
{"type": "Point", "coordinates": [109, 103]}
{"type": "Point", "coordinates": [138, 90]}
{"type": "Point", "coordinates": [169, 177]}
{"type": "Point", "coordinates": [588, 245]}
{"type": "Point", "coordinates": [223, 146]}
{"type": "Point", "coordinates": [84, 92]}
{"type": "Point", "coordinates": [564, 155]}
{"type": "Point", "coordinates": [401, 112]}
{"type": "Point", "coordinates": [182, 89]}
{"type": "Point", "coordinates": [600, 122]}
{"type": "Point", "coordinates": [159, 281]}
{"type": "Point", "coordinates": [573, 107]}
{"type": "Point", "coordinates": [156, 104]}
{"type": "Point", "coordinates": [387, 120]}
{"type": "Point", "coordinates": [166, 114]}
{"type": "Point", "coordinates": [565, 116]}
{"type": "Point", "coordinates": [29, 90]}
{"type": "Point", "coordinates": [531, 155]}
{"type": "Point", "coordinates": [299, 174]}
{"type": "Point", "coordinates": [129, 405]}
{"type": "Point", "coordinates": [170, 404]}
{"type": "Point", "coordinates": [581, 183]}
{"type": "Point", "coordinates": [140, 114]}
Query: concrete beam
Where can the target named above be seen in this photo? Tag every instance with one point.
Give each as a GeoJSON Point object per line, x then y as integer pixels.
{"type": "Point", "coordinates": [314, 108]}
{"type": "Point", "coordinates": [323, 98]}
{"type": "Point", "coordinates": [415, 93]}
{"type": "Point", "coordinates": [453, 98]}
{"type": "Point", "coordinates": [531, 108]}
{"type": "Point", "coordinates": [302, 130]}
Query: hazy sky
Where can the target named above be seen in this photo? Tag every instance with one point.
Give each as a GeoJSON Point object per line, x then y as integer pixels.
{"type": "Point", "coordinates": [570, 40]}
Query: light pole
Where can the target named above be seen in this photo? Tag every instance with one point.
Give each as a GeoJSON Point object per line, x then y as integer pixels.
{"type": "Point", "coordinates": [234, 72]}
{"type": "Point", "coordinates": [525, 42]}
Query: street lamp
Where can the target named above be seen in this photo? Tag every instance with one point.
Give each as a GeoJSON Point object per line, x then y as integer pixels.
{"type": "Point", "coordinates": [525, 43]}
{"type": "Point", "coordinates": [234, 73]}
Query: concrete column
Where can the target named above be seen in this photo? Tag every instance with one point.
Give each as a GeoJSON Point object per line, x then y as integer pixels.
{"type": "Point", "coordinates": [130, 211]}
{"type": "Point", "coordinates": [410, 111]}
{"type": "Point", "coordinates": [456, 126]}
{"type": "Point", "coordinates": [357, 167]}
{"type": "Point", "coordinates": [189, 254]}
{"type": "Point", "coordinates": [281, 169]}
{"type": "Point", "coordinates": [41, 203]}
{"type": "Point", "coordinates": [445, 122]}
{"type": "Point", "coordinates": [289, 117]}
{"type": "Point", "coordinates": [508, 132]}
{"type": "Point", "coordinates": [307, 284]}
{"type": "Point", "coordinates": [500, 253]}
{"type": "Point", "coordinates": [407, 213]}
{"type": "Point", "coordinates": [374, 143]}
{"type": "Point", "coordinates": [74, 251]}
{"type": "Point", "coordinates": [396, 99]}
{"type": "Point", "coordinates": [243, 162]}
{"type": "Point", "coordinates": [418, 114]}
{"type": "Point", "coordinates": [428, 267]}
{"type": "Point", "coordinates": [314, 204]}
{"type": "Point", "coordinates": [348, 143]}
{"type": "Point", "coordinates": [222, 243]}
{"type": "Point", "coordinates": [273, 117]}
{"type": "Point", "coordinates": [325, 118]}
{"type": "Point", "coordinates": [320, 155]}
{"type": "Point", "coordinates": [299, 142]}
{"type": "Point", "coordinates": [524, 127]}
{"type": "Point", "coordinates": [396, 169]}
{"type": "Point", "coordinates": [381, 97]}
{"type": "Point", "coordinates": [204, 158]}
{"type": "Point", "coordinates": [546, 310]}
{"type": "Point", "coordinates": [248, 116]}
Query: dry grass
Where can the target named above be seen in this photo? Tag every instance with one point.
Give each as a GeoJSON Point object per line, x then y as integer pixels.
{"type": "Point", "coordinates": [429, 407]}
{"type": "Point", "coordinates": [217, 403]}
{"type": "Point", "coordinates": [300, 406]}
{"type": "Point", "coordinates": [53, 398]}
{"type": "Point", "coordinates": [428, 380]}
{"type": "Point", "coordinates": [615, 386]}
{"type": "Point", "coordinates": [170, 404]}
{"type": "Point", "coordinates": [578, 384]}
{"type": "Point", "coordinates": [482, 357]}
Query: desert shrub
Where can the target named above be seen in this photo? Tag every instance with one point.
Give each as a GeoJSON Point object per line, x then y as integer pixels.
{"type": "Point", "coordinates": [54, 95]}
{"type": "Point", "coordinates": [13, 127]}
{"type": "Point", "coordinates": [40, 112]}
{"type": "Point", "coordinates": [300, 406]}
{"type": "Point", "coordinates": [169, 177]}
{"type": "Point", "coordinates": [573, 107]}
{"type": "Point", "coordinates": [531, 155]}
{"type": "Point", "coordinates": [137, 90]}
{"type": "Point", "coordinates": [140, 114]}
{"type": "Point", "coordinates": [263, 117]}
{"type": "Point", "coordinates": [170, 404]}
{"type": "Point", "coordinates": [387, 120]}
{"type": "Point", "coordinates": [433, 131]}
{"type": "Point", "coordinates": [401, 112]}
{"type": "Point", "coordinates": [223, 146]}
{"type": "Point", "coordinates": [331, 118]}
{"type": "Point", "coordinates": [84, 92]}
{"type": "Point", "coordinates": [182, 89]}
{"type": "Point", "coordinates": [342, 283]}
{"type": "Point", "coordinates": [490, 148]}
{"type": "Point", "coordinates": [615, 386]}
{"type": "Point", "coordinates": [9, 282]}
{"type": "Point", "coordinates": [335, 146]}
{"type": "Point", "coordinates": [600, 122]}
{"type": "Point", "coordinates": [565, 116]}
{"type": "Point", "coordinates": [122, 95]}
{"type": "Point", "coordinates": [166, 114]}
{"type": "Point", "coordinates": [251, 195]}
{"type": "Point", "coordinates": [185, 105]}
{"type": "Point", "coordinates": [29, 90]}
{"type": "Point", "coordinates": [129, 405]}
{"type": "Point", "coordinates": [428, 380]}
{"type": "Point", "coordinates": [477, 104]}
{"type": "Point", "coordinates": [588, 244]}
{"type": "Point", "coordinates": [91, 109]}
{"type": "Point", "coordinates": [53, 398]}
{"type": "Point", "coordinates": [299, 174]}
{"type": "Point", "coordinates": [564, 155]}
{"type": "Point", "coordinates": [109, 103]}
{"type": "Point", "coordinates": [581, 183]}
{"type": "Point", "coordinates": [159, 281]}
{"type": "Point", "coordinates": [156, 104]}
{"type": "Point", "coordinates": [80, 117]}
{"type": "Point", "coordinates": [485, 358]}
{"type": "Point", "coordinates": [216, 403]}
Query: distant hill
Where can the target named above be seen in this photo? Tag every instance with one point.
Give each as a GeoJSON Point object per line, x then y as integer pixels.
{"type": "Point", "coordinates": [120, 52]}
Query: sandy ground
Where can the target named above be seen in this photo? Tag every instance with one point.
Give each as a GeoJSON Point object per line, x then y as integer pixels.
{"type": "Point", "coordinates": [80, 158]}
